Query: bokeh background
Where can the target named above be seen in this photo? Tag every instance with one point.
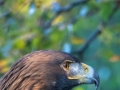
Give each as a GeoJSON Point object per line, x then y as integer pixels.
{"type": "Point", "coordinates": [89, 29]}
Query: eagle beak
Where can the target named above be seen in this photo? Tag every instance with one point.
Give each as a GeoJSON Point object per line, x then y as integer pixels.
{"type": "Point", "coordinates": [85, 74]}
{"type": "Point", "coordinates": [89, 76]}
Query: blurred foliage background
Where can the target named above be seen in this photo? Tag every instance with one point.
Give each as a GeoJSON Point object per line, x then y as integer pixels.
{"type": "Point", "coordinates": [89, 29]}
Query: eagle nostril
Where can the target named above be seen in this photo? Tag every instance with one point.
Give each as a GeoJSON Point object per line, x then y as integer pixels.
{"type": "Point", "coordinates": [86, 69]}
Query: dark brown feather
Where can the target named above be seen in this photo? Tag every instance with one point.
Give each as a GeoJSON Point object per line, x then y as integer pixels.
{"type": "Point", "coordinates": [34, 71]}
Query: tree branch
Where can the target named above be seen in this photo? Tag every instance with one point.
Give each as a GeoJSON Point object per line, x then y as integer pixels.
{"type": "Point", "coordinates": [2, 2]}
{"type": "Point", "coordinates": [98, 31]}
{"type": "Point", "coordinates": [63, 9]}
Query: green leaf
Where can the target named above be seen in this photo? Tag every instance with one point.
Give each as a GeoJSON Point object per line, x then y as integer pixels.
{"type": "Point", "coordinates": [105, 10]}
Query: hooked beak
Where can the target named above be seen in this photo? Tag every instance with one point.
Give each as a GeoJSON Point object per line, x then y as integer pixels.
{"type": "Point", "coordinates": [90, 76]}
{"type": "Point", "coordinates": [83, 73]}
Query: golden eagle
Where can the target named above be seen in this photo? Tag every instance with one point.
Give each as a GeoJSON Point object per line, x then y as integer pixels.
{"type": "Point", "coordinates": [48, 70]}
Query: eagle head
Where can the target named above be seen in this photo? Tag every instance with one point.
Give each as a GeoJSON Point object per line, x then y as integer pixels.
{"type": "Point", "coordinates": [48, 70]}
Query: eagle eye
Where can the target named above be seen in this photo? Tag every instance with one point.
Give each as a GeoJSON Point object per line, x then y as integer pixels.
{"type": "Point", "coordinates": [66, 64]}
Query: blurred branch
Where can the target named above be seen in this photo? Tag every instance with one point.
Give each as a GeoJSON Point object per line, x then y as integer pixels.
{"type": "Point", "coordinates": [5, 14]}
{"type": "Point", "coordinates": [98, 31]}
{"type": "Point", "coordinates": [63, 9]}
{"type": "Point", "coordinates": [2, 2]}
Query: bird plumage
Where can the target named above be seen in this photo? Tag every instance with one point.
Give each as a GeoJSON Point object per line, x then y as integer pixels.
{"type": "Point", "coordinates": [40, 70]}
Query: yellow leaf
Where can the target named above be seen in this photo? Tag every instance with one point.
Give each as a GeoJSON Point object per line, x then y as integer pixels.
{"type": "Point", "coordinates": [4, 70]}
{"type": "Point", "coordinates": [3, 63]}
{"type": "Point", "coordinates": [3, 66]}
{"type": "Point", "coordinates": [38, 3]}
{"type": "Point", "coordinates": [20, 44]}
{"type": "Point", "coordinates": [48, 2]}
{"type": "Point", "coordinates": [76, 40]}
{"type": "Point", "coordinates": [114, 58]}
{"type": "Point", "coordinates": [21, 7]}
{"type": "Point", "coordinates": [57, 20]}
